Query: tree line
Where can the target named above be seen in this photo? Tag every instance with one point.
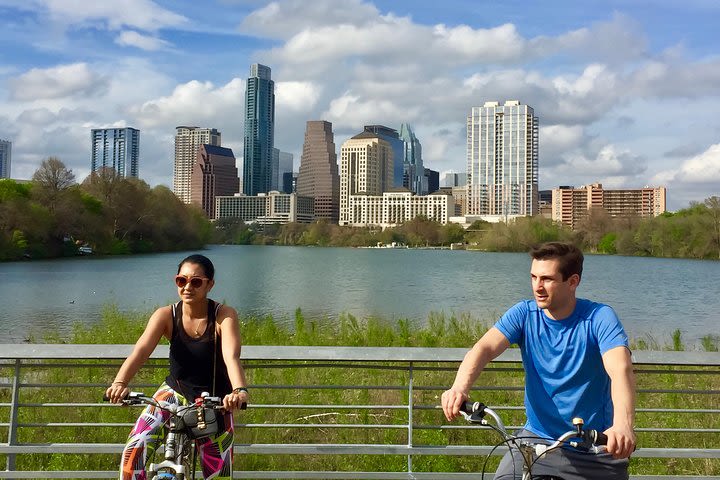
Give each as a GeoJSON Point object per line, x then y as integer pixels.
{"type": "Point", "coordinates": [693, 232]}
{"type": "Point", "coordinates": [52, 215]}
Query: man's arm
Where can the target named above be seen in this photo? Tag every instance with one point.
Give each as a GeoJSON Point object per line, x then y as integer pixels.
{"type": "Point", "coordinates": [492, 344]}
{"type": "Point", "coordinates": [621, 437]}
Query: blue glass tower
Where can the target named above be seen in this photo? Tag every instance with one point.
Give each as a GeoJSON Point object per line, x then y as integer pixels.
{"type": "Point", "coordinates": [413, 169]}
{"type": "Point", "coordinates": [259, 138]}
{"type": "Point", "coordinates": [116, 148]}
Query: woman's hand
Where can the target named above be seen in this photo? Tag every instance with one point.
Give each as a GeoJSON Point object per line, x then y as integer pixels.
{"type": "Point", "coordinates": [117, 392]}
{"type": "Point", "coordinates": [235, 399]}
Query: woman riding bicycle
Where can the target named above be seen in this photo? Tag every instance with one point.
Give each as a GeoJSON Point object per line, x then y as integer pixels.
{"type": "Point", "coordinates": [577, 364]}
{"type": "Point", "coordinates": [204, 357]}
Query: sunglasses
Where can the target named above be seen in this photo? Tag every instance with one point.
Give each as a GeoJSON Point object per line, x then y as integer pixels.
{"type": "Point", "coordinates": [195, 282]}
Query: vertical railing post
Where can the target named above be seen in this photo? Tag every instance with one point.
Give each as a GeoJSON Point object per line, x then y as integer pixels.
{"type": "Point", "coordinates": [12, 428]}
{"type": "Point", "coordinates": [410, 418]}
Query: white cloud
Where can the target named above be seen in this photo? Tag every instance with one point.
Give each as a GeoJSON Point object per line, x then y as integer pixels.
{"type": "Point", "coordinates": [130, 38]}
{"type": "Point", "coordinates": [700, 169]}
{"type": "Point", "coordinates": [284, 19]}
{"type": "Point", "coordinates": [297, 96]}
{"type": "Point", "coordinates": [56, 82]}
{"type": "Point", "coordinates": [141, 14]}
{"type": "Point", "coordinates": [193, 103]}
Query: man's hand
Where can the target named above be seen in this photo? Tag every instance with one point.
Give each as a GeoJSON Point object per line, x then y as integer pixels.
{"type": "Point", "coordinates": [452, 400]}
{"type": "Point", "coordinates": [621, 441]}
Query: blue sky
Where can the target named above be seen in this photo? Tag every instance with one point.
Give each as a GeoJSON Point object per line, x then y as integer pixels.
{"type": "Point", "coordinates": [627, 92]}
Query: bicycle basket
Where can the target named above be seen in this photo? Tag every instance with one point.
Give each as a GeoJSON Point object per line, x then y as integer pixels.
{"type": "Point", "coordinates": [200, 422]}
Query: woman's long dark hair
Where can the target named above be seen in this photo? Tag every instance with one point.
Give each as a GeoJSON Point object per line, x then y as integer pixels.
{"type": "Point", "coordinates": [201, 260]}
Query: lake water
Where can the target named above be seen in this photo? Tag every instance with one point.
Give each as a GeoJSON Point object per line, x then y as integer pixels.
{"type": "Point", "coordinates": [652, 296]}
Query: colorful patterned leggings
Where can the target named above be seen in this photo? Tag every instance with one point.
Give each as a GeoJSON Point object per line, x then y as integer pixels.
{"type": "Point", "coordinates": [215, 452]}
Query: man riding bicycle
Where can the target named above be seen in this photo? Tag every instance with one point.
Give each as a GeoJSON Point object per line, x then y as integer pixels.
{"type": "Point", "coordinates": [577, 364]}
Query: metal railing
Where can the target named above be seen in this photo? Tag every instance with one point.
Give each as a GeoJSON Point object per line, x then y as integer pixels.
{"type": "Point", "coordinates": [397, 412]}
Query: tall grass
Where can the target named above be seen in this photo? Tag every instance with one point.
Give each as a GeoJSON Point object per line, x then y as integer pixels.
{"type": "Point", "coordinates": [377, 383]}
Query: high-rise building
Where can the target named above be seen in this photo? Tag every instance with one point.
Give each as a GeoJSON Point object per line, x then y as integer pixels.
{"type": "Point", "coordinates": [5, 158]}
{"type": "Point", "coordinates": [213, 174]}
{"type": "Point", "coordinates": [318, 177]}
{"type": "Point", "coordinates": [259, 138]}
{"type": "Point", "coordinates": [433, 180]}
{"type": "Point", "coordinates": [366, 168]}
{"type": "Point", "coordinates": [453, 179]}
{"type": "Point", "coordinates": [413, 170]}
{"type": "Point", "coordinates": [282, 164]}
{"type": "Point", "coordinates": [116, 148]}
{"type": "Point", "coordinates": [571, 205]}
{"type": "Point", "coordinates": [398, 147]}
{"type": "Point", "coordinates": [285, 168]}
{"type": "Point", "coordinates": [502, 156]}
{"type": "Point", "coordinates": [187, 142]}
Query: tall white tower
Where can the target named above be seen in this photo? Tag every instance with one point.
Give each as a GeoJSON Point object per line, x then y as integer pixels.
{"type": "Point", "coordinates": [502, 160]}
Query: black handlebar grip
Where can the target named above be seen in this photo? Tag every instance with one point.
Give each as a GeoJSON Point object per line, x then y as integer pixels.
{"type": "Point", "coordinates": [243, 406]}
{"type": "Point", "coordinates": [598, 438]}
{"type": "Point", "coordinates": [105, 398]}
{"type": "Point", "coordinates": [471, 407]}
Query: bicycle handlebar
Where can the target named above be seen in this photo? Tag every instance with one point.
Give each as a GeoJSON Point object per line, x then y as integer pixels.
{"type": "Point", "coordinates": [477, 411]}
{"type": "Point", "coordinates": [139, 398]}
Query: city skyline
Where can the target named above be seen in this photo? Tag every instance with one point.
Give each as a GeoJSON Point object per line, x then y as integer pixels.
{"type": "Point", "coordinates": [625, 91]}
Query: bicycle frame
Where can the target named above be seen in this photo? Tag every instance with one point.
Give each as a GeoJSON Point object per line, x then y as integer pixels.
{"type": "Point", "coordinates": [178, 445]}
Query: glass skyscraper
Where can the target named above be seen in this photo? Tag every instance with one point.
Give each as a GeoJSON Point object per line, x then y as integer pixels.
{"type": "Point", "coordinates": [5, 157]}
{"type": "Point", "coordinates": [116, 148]}
{"type": "Point", "coordinates": [413, 169]}
{"type": "Point", "coordinates": [259, 139]}
{"type": "Point", "coordinates": [502, 156]}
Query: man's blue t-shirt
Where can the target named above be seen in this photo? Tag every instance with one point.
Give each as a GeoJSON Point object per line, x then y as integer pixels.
{"type": "Point", "coordinates": [564, 373]}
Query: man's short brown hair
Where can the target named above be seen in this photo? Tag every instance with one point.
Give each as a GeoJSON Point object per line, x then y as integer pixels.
{"type": "Point", "coordinates": [569, 255]}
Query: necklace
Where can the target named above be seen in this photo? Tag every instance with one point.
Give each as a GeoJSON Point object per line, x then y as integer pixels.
{"type": "Point", "coordinates": [197, 329]}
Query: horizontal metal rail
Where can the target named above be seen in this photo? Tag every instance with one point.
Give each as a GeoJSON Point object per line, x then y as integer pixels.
{"type": "Point", "coordinates": [410, 362]}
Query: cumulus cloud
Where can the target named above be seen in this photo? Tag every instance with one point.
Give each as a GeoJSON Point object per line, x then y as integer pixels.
{"type": "Point", "coordinates": [130, 38]}
{"type": "Point", "coordinates": [284, 19]}
{"type": "Point", "coordinates": [700, 169]}
{"type": "Point", "coordinates": [57, 82]}
{"type": "Point", "coordinates": [194, 103]}
{"type": "Point", "coordinates": [141, 14]}
{"type": "Point", "coordinates": [297, 96]}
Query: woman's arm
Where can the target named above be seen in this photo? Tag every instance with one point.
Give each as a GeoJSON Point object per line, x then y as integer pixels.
{"type": "Point", "coordinates": [160, 324]}
{"type": "Point", "coordinates": [227, 321]}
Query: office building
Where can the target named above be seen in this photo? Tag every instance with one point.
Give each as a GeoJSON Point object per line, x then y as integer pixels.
{"type": "Point", "coordinates": [571, 205]}
{"type": "Point", "coordinates": [187, 142]}
{"type": "Point", "coordinates": [414, 178]}
{"type": "Point", "coordinates": [214, 174]}
{"type": "Point", "coordinates": [259, 136]}
{"type": "Point", "coordinates": [397, 207]}
{"type": "Point", "coordinates": [5, 158]}
{"type": "Point", "coordinates": [366, 168]}
{"type": "Point", "coordinates": [502, 156]}
{"type": "Point", "coordinates": [398, 148]}
{"type": "Point", "coordinates": [116, 148]}
{"type": "Point", "coordinates": [266, 208]}
{"type": "Point", "coordinates": [453, 179]}
{"type": "Point", "coordinates": [318, 177]}
{"type": "Point", "coordinates": [433, 180]}
{"type": "Point", "coordinates": [282, 165]}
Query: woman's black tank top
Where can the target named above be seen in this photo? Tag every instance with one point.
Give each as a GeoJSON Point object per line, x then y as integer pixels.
{"type": "Point", "coordinates": [191, 359]}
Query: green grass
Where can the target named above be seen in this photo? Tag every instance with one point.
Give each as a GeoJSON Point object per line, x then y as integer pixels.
{"type": "Point", "coordinates": [364, 384]}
